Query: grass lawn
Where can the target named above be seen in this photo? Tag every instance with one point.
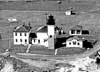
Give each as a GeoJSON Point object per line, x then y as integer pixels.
{"type": "Point", "coordinates": [18, 48]}
{"type": "Point", "coordinates": [48, 5]}
{"type": "Point", "coordinates": [45, 51]}
{"type": "Point", "coordinates": [70, 51]}
{"type": "Point", "coordinates": [3, 45]}
{"type": "Point", "coordinates": [41, 50]}
{"type": "Point", "coordinates": [61, 51]}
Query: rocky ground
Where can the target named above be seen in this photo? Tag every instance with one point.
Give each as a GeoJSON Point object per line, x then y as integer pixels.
{"type": "Point", "coordinates": [15, 64]}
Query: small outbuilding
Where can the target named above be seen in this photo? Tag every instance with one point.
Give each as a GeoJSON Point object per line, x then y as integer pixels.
{"type": "Point", "coordinates": [70, 12]}
{"type": "Point", "coordinates": [74, 42]}
{"type": "Point", "coordinates": [78, 30]}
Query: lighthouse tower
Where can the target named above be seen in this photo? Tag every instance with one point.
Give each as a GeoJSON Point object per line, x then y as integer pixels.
{"type": "Point", "coordinates": [51, 32]}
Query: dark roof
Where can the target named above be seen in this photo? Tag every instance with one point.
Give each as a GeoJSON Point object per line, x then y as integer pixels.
{"type": "Point", "coordinates": [42, 29]}
{"type": "Point", "coordinates": [33, 35]}
{"type": "Point", "coordinates": [22, 28]}
{"type": "Point", "coordinates": [85, 32]}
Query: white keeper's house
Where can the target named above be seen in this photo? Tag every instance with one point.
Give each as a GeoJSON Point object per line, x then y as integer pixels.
{"type": "Point", "coordinates": [21, 35]}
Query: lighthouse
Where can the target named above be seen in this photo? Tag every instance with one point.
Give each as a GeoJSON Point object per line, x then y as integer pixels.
{"type": "Point", "coordinates": [51, 31]}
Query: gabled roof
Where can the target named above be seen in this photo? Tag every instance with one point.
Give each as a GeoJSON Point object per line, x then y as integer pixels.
{"type": "Point", "coordinates": [75, 37]}
{"type": "Point", "coordinates": [77, 27]}
{"type": "Point", "coordinates": [22, 28]}
{"type": "Point", "coordinates": [42, 29]}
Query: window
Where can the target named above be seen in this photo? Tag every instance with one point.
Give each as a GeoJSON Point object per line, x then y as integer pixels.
{"type": "Point", "coordinates": [78, 31]}
{"type": "Point", "coordinates": [74, 43]}
{"type": "Point", "coordinates": [25, 34]}
{"type": "Point", "coordinates": [72, 31]}
{"type": "Point", "coordinates": [50, 36]}
{"type": "Point", "coordinates": [25, 40]}
{"type": "Point", "coordinates": [34, 40]}
{"type": "Point", "coordinates": [45, 40]}
{"type": "Point", "coordinates": [16, 40]}
{"type": "Point", "coordinates": [78, 43]}
{"type": "Point", "coordinates": [38, 41]}
{"type": "Point", "coordinates": [20, 34]}
{"type": "Point", "coordinates": [70, 43]}
{"type": "Point", "coordinates": [20, 40]}
{"type": "Point", "coordinates": [15, 34]}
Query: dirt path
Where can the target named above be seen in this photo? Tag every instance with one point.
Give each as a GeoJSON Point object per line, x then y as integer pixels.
{"type": "Point", "coordinates": [37, 63]}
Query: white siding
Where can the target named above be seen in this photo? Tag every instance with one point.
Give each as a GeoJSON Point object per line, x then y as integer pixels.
{"type": "Point", "coordinates": [42, 36]}
{"type": "Point", "coordinates": [51, 30]}
{"type": "Point", "coordinates": [70, 43]}
{"type": "Point", "coordinates": [23, 37]}
{"type": "Point", "coordinates": [51, 43]}
{"type": "Point", "coordinates": [68, 12]}
{"type": "Point", "coordinates": [41, 42]}
{"type": "Point", "coordinates": [75, 33]}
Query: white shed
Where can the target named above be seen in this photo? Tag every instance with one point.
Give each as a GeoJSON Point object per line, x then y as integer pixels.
{"type": "Point", "coordinates": [74, 42]}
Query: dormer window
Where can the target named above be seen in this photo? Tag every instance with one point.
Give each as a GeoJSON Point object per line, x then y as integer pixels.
{"type": "Point", "coordinates": [74, 43]}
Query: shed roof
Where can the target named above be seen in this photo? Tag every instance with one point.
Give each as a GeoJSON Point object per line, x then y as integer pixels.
{"type": "Point", "coordinates": [77, 27]}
